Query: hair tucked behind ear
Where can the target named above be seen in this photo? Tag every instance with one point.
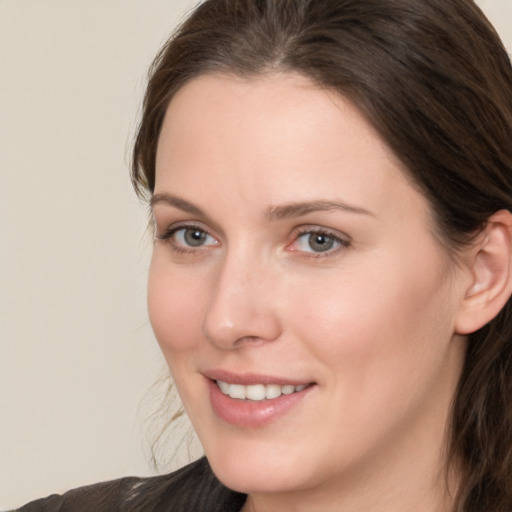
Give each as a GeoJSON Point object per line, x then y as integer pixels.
{"type": "Point", "coordinates": [435, 81]}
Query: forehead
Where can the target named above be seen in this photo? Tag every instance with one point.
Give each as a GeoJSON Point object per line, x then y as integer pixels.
{"type": "Point", "coordinates": [279, 100]}
{"type": "Point", "coordinates": [284, 107]}
{"type": "Point", "coordinates": [279, 135]}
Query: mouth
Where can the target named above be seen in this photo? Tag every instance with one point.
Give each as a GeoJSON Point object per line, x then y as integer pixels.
{"type": "Point", "coordinates": [255, 400]}
{"type": "Point", "coordinates": [258, 392]}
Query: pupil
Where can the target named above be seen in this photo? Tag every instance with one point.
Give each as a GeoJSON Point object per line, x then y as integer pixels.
{"type": "Point", "coordinates": [320, 243]}
{"type": "Point", "coordinates": [195, 237]}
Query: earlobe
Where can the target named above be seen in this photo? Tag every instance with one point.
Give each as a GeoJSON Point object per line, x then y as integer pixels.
{"type": "Point", "coordinates": [490, 263]}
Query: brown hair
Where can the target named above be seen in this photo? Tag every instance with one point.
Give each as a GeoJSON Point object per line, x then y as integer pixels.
{"type": "Point", "coordinates": [435, 81]}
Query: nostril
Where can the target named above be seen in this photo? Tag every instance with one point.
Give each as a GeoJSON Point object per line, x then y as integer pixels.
{"type": "Point", "coordinates": [245, 340]}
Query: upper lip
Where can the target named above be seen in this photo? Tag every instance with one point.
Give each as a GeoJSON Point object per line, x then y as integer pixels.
{"type": "Point", "coordinates": [247, 379]}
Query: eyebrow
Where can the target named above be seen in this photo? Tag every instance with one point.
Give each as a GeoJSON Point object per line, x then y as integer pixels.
{"type": "Point", "coordinates": [273, 213]}
{"type": "Point", "coordinates": [177, 202]}
{"type": "Point", "coordinates": [302, 208]}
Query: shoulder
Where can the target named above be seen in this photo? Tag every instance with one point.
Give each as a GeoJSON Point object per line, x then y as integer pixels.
{"type": "Point", "coordinates": [193, 487]}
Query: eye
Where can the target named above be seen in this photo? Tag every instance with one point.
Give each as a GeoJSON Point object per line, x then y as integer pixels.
{"type": "Point", "coordinates": [318, 242]}
{"type": "Point", "coordinates": [188, 237]}
{"type": "Point", "coordinates": [193, 237]}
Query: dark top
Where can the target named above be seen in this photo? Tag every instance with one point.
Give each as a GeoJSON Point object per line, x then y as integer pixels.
{"type": "Point", "coordinates": [193, 488]}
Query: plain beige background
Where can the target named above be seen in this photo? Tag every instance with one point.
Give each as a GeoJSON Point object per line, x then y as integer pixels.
{"type": "Point", "coordinates": [77, 353]}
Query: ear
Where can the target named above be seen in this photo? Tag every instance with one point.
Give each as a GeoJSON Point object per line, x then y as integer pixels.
{"type": "Point", "coordinates": [490, 265]}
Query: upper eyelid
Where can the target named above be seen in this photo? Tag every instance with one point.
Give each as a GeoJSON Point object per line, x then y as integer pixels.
{"type": "Point", "coordinates": [335, 233]}
{"type": "Point", "coordinates": [160, 211]}
{"type": "Point", "coordinates": [343, 241]}
{"type": "Point", "coordinates": [184, 228]}
{"type": "Point", "coordinates": [175, 226]}
{"type": "Point", "coordinates": [168, 238]}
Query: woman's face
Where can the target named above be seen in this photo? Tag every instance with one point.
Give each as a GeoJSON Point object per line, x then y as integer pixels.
{"type": "Point", "coordinates": [296, 266]}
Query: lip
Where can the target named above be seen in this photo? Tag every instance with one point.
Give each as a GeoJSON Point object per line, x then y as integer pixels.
{"type": "Point", "coordinates": [246, 379]}
{"type": "Point", "coordinates": [253, 414]}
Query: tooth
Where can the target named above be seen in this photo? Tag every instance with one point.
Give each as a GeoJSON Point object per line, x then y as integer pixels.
{"type": "Point", "coordinates": [224, 386]}
{"type": "Point", "coordinates": [237, 391]}
{"type": "Point", "coordinates": [288, 389]}
{"type": "Point", "coordinates": [258, 392]}
{"type": "Point", "coordinates": [255, 392]}
{"type": "Point", "coordinates": [272, 391]}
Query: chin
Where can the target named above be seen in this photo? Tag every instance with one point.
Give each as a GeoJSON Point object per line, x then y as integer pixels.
{"type": "Point", "coordinates": [254, 467]}
{"type": "Point", "coordinates": [249, 478]}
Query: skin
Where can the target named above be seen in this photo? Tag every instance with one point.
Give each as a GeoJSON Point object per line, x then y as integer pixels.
{"type": "Point", "coordinates": [371, 321]}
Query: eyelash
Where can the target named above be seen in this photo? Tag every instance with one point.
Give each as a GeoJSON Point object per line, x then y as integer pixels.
{"type": "Point", "coordinates": [341, 243]}
{"type": "Point", "coordinates": [168, 236]}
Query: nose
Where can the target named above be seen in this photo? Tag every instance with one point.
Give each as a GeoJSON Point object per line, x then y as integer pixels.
{"type": "Point", "coordinates": [242, 308]}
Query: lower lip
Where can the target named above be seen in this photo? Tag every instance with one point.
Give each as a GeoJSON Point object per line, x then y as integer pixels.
{"type": "Point", "coordinates": [253, 413]}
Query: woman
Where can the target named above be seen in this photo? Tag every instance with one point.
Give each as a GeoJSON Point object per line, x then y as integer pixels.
{"type": "Point", "coordinates": [331, 190]}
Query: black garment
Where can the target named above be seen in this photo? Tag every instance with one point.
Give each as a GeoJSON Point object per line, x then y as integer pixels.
{"type": "Point", "coordinates": [193, 488]}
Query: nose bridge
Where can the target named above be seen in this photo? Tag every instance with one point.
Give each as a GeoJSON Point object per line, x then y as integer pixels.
{"type": "Point", "coordinates": [240, 306]}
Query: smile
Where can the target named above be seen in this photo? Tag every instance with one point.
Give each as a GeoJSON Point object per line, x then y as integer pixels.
{"type": "Point", "coordinates": [257, 392]}
{"type": "Point", "coordinates": [239, 401]}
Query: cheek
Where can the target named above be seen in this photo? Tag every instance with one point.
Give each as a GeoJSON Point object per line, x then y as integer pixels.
{"type": "Point", "coordinates": [383, 322]}
{"type": "Point", "coordinates": [383, 349]}
{"type": "Point", "coordinates": [174, 304]}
